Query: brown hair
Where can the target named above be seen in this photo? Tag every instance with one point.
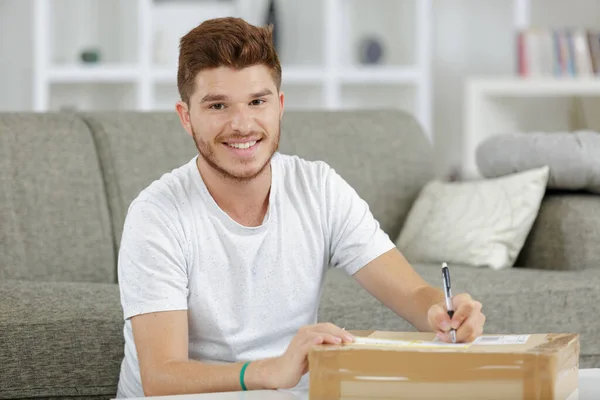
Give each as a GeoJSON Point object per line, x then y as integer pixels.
{"type": "Point", "coordinates": [230, 42]}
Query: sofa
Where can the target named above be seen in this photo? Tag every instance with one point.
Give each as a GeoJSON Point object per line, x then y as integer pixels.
{"type": "Point", "coordinates": [67, 178]}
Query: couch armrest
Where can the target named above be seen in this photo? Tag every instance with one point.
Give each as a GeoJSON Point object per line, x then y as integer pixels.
{"type": "Point", "coordinates": [60, 339]}
{"type": "Point", "coordinates": [565, 234]}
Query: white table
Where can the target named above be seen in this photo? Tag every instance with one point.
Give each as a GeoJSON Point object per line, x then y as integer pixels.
{"type": "Point", "coordinates": [589, 389]}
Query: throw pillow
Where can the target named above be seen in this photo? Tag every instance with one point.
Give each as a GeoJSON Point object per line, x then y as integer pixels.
{"type": "Point", "coordinates": [482, 223]}
{"type": "Point", "coordinates": [573, 157]}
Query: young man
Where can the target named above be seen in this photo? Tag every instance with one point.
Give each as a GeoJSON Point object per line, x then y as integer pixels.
{"type": "Point", "coordinates": [222, 260]}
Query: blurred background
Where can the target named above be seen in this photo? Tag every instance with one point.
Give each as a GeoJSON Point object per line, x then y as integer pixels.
{"type": "Point", "coordinates": [464, 68]}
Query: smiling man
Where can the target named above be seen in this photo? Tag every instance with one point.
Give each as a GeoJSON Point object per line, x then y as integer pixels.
{"type": "Point", "coordinates": [222, 260]}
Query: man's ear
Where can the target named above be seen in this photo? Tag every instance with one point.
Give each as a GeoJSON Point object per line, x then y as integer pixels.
{"type": "Point", "coordinates": [281, 104]}
{"type": "Point", "coordinates": [184, 116]}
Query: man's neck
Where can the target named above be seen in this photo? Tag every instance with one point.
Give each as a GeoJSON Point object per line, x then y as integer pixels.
{"type": "Point", "coordinates": [244, 201]}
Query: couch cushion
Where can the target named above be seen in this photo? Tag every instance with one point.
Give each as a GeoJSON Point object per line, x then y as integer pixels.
{"type": "Point", "coordinates": [515, 301]}
{"type": "Point", "coordinates": [54, 221]}
{"type": "Point", "coordinates": [565, 235]}
{"type": "Point", "coordinates": [384, 155]}
{"type": "Point", "coordinates": [479, 223]}
{"type": "Point", "coordinates": [135, 149]}
{"type": "Point", "coordinates": [60, 339]}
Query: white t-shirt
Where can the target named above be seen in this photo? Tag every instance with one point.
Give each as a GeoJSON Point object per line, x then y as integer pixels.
{"type": "Point", "coordinates": [246, 290]}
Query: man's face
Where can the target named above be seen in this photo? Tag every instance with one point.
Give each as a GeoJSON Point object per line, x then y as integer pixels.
{"type": "Point", "coordinates": [234, 118]}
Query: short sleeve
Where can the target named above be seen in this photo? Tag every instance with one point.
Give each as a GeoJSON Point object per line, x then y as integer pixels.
{"type": "Point", "coordinates": [356, 237]}
{"type": "Point", "coordinates": [151, 264]}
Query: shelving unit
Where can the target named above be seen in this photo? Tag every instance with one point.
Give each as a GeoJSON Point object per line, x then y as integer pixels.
{"type": "Point", "coordinates": [98, 74]}
{"type": "Point", "coordinates": [138, 40]}
{"type": "Point", "coordinates": [527, 87]}
{"type": "Point", "coordinates": [508, 104]}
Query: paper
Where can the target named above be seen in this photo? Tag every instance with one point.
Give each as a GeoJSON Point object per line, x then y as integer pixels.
{"type": "Point", "coordinates": [409, 343]}
{"type": "Point", "coordinates": [438, 343]}
{"type": "Point", "coordinates": [500, 340]}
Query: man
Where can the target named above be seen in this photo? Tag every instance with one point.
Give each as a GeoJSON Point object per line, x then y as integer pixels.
{"type": "Point", "coordinates": [222, 260]}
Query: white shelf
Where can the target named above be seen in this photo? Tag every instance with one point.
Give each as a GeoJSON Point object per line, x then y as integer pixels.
{"type": "Point", "coordinates": [167, 75]}
{"type": "Point", "coordinates": [527, 87]}
{"type": "Point", "coordinates": [316, 75]}
{"type": "Point", "coordinates": [377, 74]}
{"type": "Point", "coordinates": [290, 74]}
{"type": "Point", "coordinates": [298, 75]}
{"type": "Point", "coordinates": [93, 73]}
{"type": "Point", "coordinates": [501, 105]}
{"type": "Point", "coordinates": [139, 54]}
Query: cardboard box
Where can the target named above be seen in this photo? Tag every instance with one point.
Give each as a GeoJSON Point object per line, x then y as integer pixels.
{"type": "Point", "coordinates": [415, 365]}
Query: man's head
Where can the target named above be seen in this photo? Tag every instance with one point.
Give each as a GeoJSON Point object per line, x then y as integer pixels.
{"type": "Point", "coordinates": [229, 80]}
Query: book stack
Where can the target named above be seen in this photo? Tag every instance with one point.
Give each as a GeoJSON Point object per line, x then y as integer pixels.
{"type": "Point", "coordinates": [561, 52]}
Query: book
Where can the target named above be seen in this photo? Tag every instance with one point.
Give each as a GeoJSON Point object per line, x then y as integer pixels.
{"type": "Point", "coordinates": [558, 52]}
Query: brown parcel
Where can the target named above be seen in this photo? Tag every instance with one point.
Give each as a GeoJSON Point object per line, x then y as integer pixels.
{"type": "Point", "coordinates": [545, 367]}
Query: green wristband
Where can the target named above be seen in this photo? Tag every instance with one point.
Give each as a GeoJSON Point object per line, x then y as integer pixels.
{"type": "Point", "coordinates": [242, 372]}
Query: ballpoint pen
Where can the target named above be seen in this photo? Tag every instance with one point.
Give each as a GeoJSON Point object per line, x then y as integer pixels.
{"type": "Point", "coordinates": [448, 294]}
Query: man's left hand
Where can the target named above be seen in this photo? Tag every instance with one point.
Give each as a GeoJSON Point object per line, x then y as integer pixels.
{"type": "Point", "coordinates": [468, 320]}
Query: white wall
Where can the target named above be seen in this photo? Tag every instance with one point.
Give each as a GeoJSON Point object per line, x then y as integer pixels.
{"type": "Point", "coordinates": [470, 37]}
{"type": "Point", "coordinates": [16, 62]}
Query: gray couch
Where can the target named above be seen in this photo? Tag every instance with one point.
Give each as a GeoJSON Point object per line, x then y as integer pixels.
{"type": "Point", "coordinates": [65, 184]}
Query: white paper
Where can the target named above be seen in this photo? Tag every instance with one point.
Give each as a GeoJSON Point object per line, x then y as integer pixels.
{"type": "Point", "coordinates": [500, 340]}
{"type": "Point", "coordinates": [438, 343]}
{"type": "Point", "coordinates": [408, 343]}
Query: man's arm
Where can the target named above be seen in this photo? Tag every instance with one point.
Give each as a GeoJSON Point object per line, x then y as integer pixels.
{"type": "Point", "coordinates": [161, 340]}
{"type": "Point", "coordinates": [392, 280]}
{"type": "Point", "coordinates": [154, 289]}
{"type": "Point", "coordinates": [364, 250]}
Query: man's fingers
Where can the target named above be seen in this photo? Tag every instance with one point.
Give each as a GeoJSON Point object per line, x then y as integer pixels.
{"type": "Point", "coordinates": [312, 339]}
{"type": "Point", "coordinates": [334, 330]}
{"type": "Point", "coordinates": [461, 298]}
{"type": "Point", "coordinates": [444, 336]}
{"type": "Point", "coordinates": [309, 336]}
{"type": "Point", "coordinates": [471, 328]}
{"type": "Point", "coordinates": [464, 309]}
{"type": "Point", "coordinates": [319, 337]}
{"type": "Point", "coordinates": [331, 339]}
{"type": "Point", "coordinates": [438, 317]}
{"type": "Point", "coordinates": [309, 340]}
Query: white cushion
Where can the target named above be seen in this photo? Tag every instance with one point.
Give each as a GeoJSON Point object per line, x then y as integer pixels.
{"type": "Point", "coordinates": [476, 223]}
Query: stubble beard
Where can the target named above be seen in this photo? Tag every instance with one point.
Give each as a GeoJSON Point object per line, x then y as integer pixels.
{"type": "Point", "coordinates": [206, 151]}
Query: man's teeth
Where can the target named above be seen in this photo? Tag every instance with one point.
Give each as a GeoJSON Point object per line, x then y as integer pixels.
{"type": "Point", "coordinates": [242, 145]}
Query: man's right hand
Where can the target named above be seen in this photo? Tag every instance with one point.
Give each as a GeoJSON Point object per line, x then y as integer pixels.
{"type": "Point", "coordinates": [285, 372]}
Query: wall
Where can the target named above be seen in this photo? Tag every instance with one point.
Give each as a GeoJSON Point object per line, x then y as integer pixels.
{"type": "Point", "coordinates": [470, 37]}
{"type": "Point", "coordinates": [15, 55]}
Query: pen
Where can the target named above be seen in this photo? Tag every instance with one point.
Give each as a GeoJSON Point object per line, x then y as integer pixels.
{"type": "Point", "coordinates": [448, 294]}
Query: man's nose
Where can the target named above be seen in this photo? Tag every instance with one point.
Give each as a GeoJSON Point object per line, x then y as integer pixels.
{"type": "Point", "coordinates": [241, 121]}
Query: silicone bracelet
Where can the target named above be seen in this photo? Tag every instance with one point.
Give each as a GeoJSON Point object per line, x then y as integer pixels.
{"type": "Point", "coordinates": [242, 372]}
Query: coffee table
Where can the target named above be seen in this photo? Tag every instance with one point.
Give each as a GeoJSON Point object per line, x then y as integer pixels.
{"type": "Point", "coordinates": [589, 389]}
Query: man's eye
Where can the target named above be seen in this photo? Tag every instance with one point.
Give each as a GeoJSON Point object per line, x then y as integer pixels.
{"type": "Point", "coordinates": [218, 106]}
{"type": "Point", "coordinates": [257, 102]}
